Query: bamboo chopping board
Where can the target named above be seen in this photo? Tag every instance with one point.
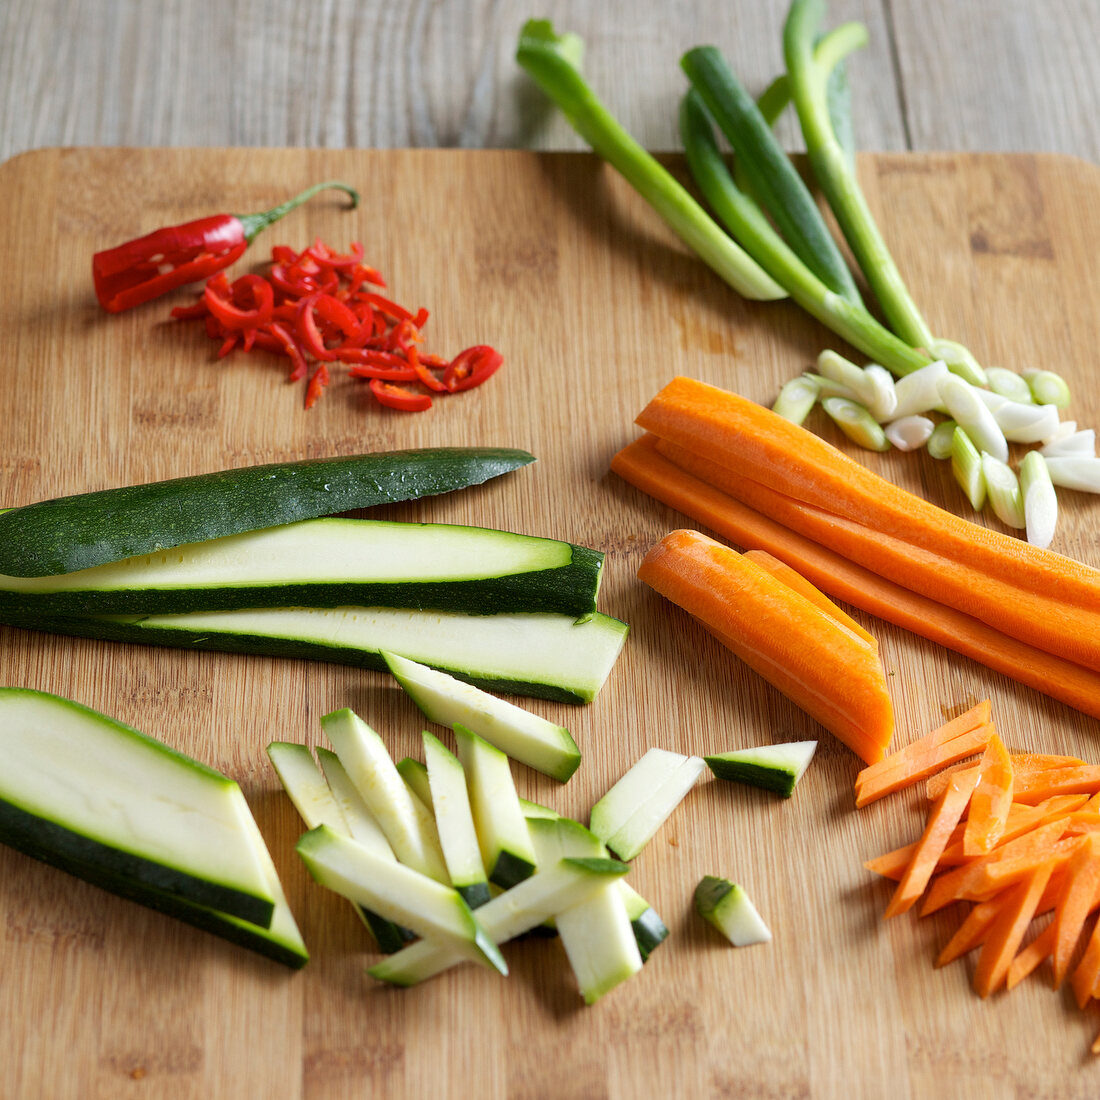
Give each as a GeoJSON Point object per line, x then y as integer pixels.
{"type": "Point", "coordinates": [594, 305]}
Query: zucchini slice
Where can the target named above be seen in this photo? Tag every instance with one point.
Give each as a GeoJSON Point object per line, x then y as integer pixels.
{"type": "Point", "coordinates": [415, 774]}
{"type": "Point", "coordinates": [729, 909]}
{"type": "Point", "coordinates": [403, 818]}
{"type": "Point", "coordinates": [520, 734]}
{"type": "Point", "coordinates": [330, 563]}
{"type": "Point", "coordinates": [502, 831]}
{"type": "Point", "coordinates": [629, 815]}
{"type": "Point", "coordinates": [398, 893]}
{"type": "Point", "coordinates": [117, 808]}
{"type": "Point", "coordinates": [455, 821]}
{"type": "Point", "coordinates": [774, 767]}
{"type": "Point", "coordinates": [79, 532]}
{"type": "Point", "coordinates": [532, 902]}
{"type": "Point", "coordinates": [548, 656]}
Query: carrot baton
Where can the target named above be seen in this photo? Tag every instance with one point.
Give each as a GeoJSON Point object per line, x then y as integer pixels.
{"type": "Point", "coordinates": [992, 800]}
{"type": "Point", "coordinates": [1082, 883]}
{"type": "Point", "coordinates": [1007, 931]}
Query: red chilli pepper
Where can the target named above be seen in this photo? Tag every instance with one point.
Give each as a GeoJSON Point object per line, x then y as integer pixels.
{"type": "Point", "coordinates": [140, 270]}
{"type": "Point", "coordinates": [471, 367]}
{"type": "Point", "coordinates": [397, 397]}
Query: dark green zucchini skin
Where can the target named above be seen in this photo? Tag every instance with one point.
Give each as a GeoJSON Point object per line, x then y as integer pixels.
{"type": "Point", "coordinates": [649, 933]}
{"type": "Point", "coordinates": [122, 872]}
{"type": "Point", "coordinates": [569, 590]}
{"type": "Point", "coordinates": [89, 529]}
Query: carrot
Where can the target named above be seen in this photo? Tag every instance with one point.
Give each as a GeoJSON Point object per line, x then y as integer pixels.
{"type": "Point", "coordinates": [942, 820]}
{"type": "Point", "coordinates": [818, 664]}
{"type": "Point", "coordinates": [639, 464]}
{"type": "Point", "coordinates": [992, 800]}
{"type": "Point", "coordinates": [1087, 972]}
{"type": "Point", "coordinates": [1082, 883]}
{"type": "Point", "coordinates": [1025, 767]}
{"type": "Point", "coordinates": [1030, 957]}
{"type": "Point", "coordinates": [1041, 617]}
{"type": "Point", "coordinates": [1033, 787]}
{"type": "Point", "coordinates": [755, 442]}
{"type": "Point", "coordinates": [1007, 931]}
{"type": "Point", "coordinates": [793, 579]}
{"type": "Point", "coordinates": [970, 934]}
{"type": "Point", "coordinates": [923, 766]}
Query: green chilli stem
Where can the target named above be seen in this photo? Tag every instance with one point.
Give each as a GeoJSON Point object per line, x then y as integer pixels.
{"type": "Point", "coordinates": [254, 223]}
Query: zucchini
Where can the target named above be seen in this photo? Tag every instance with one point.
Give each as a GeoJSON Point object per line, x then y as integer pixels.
{"type": "Point", "coordinates": [398, 893]}
{"type": "Point", "coordinates": [97, 798]}
{"type": "Point", "coordinates": [329, 563]}
{"type": "Point", "coordinates": [774, 767]}
{"type": "Point", "coordinates": [415, 774]}
{"type": "Point", "coordinates": [628, 816]}
{"type": "Point", "coordinates": [502, 831]}
{"type": "Point", "coordinates": [549, 656]}
{"type": "Point", "coordinates": [517, 732]}
{"type": "Point", "coordinates": [532, 902]}
{"type": "Point", "coordinates": [729, 909]}
{"type": "Point", "coordinates": [455, 821]}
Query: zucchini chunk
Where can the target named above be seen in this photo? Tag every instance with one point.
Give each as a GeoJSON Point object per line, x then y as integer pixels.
{"type": "Point", "coordinates": [530, 903]}
{"type": "Point", "coordinates": [455, 821]}
{"type": "Point", "coordinates": [729, 909]}
{"type": "Point", "coordinates": [774, 767]}
{"type": "Point", "coordinates": [629, 815]}
{"type": "Point", "coordinates": [79, 532]}
{"type": "Point", "coordinates": [330, 563]}
{"type": "Point", "coordinates": [548, 656]}
{"type": "Point", "coordinates": [397, 893]}
{"type": "Point", "coordinates": [415, 774]}
{"type": "Point", "coordinates": [517, 732]}
{"type": "Point", "coordinates": [502, 832]}
{"type": "Point", "coordinates": [402, 817]}
{"type": "Point", "coordinates": [113, 806]}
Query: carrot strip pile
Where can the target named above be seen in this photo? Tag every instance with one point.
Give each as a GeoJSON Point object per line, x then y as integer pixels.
{"type": "Point", "coordinates": [1015, 836]}
{"type": "Point", "coordinates": [764, 483]}
{"type": "Point", "coordinates": [791, 639]}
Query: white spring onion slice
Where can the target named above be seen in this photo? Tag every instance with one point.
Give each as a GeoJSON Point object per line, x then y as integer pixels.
{"type": "Point", "coordinates": [919, 392]}
{"type": "Point", "coordinates": [830, 387]}
{"type": "Point", "coordinates": [1073, 444]}
{"type": "Point", "coordinates": [872, 387]}
{"type": "Point", "coordinates": [973, 416]}
{"type": "Point", "coordinates": [1066, 428]}
{"type": "Point", "coordinates": [1009, 384]}
{"type": "Point", "coordinates": [1048, 388]}
{"type": "Point", "coordinates": [910, 432]}
{"type": "Point", "coordinates": [1079, 472]}
{"type": "Point", "coordinates": [856, 423]}
{"type": "Point", "coordinates": [796, 399]}
{"type": "Point", "coordinates": [940, 441]}
{"type": "Point", "coordinates": [1026, 423]}
{"type": "Point", "coordinates": [1040, 500]}
{"type": "Point", "coordinates": [882, 397]}
{"type": "Point", "coordinates": [1003, 492]}
{"type": "Point", "coordinates": [961, 359]}
{"type": "Point", "coordinates": [966, 465]}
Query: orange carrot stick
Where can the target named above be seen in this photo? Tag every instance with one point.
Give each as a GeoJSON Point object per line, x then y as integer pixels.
{"type": "Point", "coordinates": [1007, 931]}
{"type": "Point", "coordinates": [1082, 883]}
{"type": "Point", "coordinates": [971, 933]}
{"type": "Point", "coordinates": [757, 443]}
{"type": "Point", "coordinates": [942, 820]}
{"type": "Point", "coordinates": [788, 640]}
{"type": "Point", "coordinates": [1035, 786]}
{"type": "Point", "coordinates": [992, 800]}
{"type": "Point", "coordinates": [1087, 973]}
{"type": "Point", "coordinates": [639, 464]}
{"type": "Point", "coordinates": [1028, 958]}
{"type": "Point", "coordinates": [1025, 767]}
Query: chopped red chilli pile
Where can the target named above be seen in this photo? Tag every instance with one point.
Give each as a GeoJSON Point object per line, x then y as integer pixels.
{"type": "Point", "coordinates": [319, 308]}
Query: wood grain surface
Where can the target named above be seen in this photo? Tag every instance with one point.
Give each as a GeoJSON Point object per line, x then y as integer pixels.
{"type": "Point", "coordinates": [550, 258]}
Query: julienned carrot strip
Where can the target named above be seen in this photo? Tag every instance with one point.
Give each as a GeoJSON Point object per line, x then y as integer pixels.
{"type": "Point", "coordinates": [971, 933]}
{"type": "Point", "coordinates": [921, 767]}
{"type": "Point", "coordinates": [792, 643]}
{"type": "Point", "coordinates": [1036, 786]}
{"type": "Point", "coordinates": [1082, 882]}
{"type": "Point", "coordinates": [1029, 957]}
{"type": "Point", "coordinates": [793, 579]}
{"type": "Point", "coordinates": [757, 443]}
{"type": "Point", "coordinates": [641, 465]}
{"type": "Point", "coordinates": [1007, 931]}
{"type": "Point", "coordinates": [1041, 617]}
{"type": "Point", "coordinates": [1025, 767]}
{"type": "Point", "coordinates": [1086, 974]}
{"type": "Point", "coordinates": [977, 715]}
{"type": "Point", "coordinates": [942, 820]}
{"type": "Point", "coordinates": [992, 800]}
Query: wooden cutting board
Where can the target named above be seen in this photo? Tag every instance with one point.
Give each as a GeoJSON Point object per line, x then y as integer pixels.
{"type": "Point", "coordinates": [554, 261]}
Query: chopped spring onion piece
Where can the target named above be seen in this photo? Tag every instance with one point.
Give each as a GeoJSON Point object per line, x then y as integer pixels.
{"type": "Point", "coordinates": [830, 387]}
{"type": "Point", "coordinates": [919, 392]}
{"type": "Point", "coordinates": [1075, 472]}
{"type": "Point", "coordinates": [1048, 388]}
{"type": "Point", "coordinates": [838, 369]}
{"type": "Point", "coordinates": [966, 465]}
{"type": "Point", "coordinates": [882, 392]}
{"type": "Point", "coordinates": [959, 359]}
{"type": "Point", "coordinates": [994, 402]}
{"type": "Point", "coordinates": [1065, 429]}
{"type": "Point", "coordinates": [856, 423]}
{"type": "Point", "coordinates": [1003, 492]}
{"type": "Point", "coordinates": [973, 416]}
{"type": "Point", "coordinates": [796, 399]}
{"type": "Point", "coordinates": [1026, 423]}
{"type": "Point", "coordinates": [872, 386]}
{"type": "Point", "coordinates": [553, 62]}
{"type": "Point", "coordinates": [1074, 444]}
{"type": "Point", "coordinates": [1009, 384]}
{"type": "Point", "coordinates": [941, 440]}
{"type": "Point", "coordinates": [910, 432]}
{"type": "Point", "coordinates": [1040, 500]}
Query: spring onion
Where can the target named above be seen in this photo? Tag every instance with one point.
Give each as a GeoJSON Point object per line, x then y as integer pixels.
{"type": "Point", "coordinates": [1078, 472]}
{"type": "Point", "coordinates": [972, 415]}
{"type": "Point", "coordinates": [871, 386]}
{"type": "Point", "coordinates": [941, 441]}
{"type": "Point", "coordinates": [1009, 384]}
{"type": "Point", "coordinates": [796, 399]}
{"type": "Point", "coordinates": [1040, 500]}
{"type": "Point", "coordinates": [830, 387]}
{"type": "Point", "coordinates": [966, 465]}
{"type": "Point", "coordinates": [908, 433]}
{"type": "Point", "coordinates": [856, 423]}
{"type": "Point", "coordinates": [1074, 443]}
{"type": "Point", "coordinates": [919, 392]}
{"type": "Point", "coordinates": [1048, 388]}
{"type": "Point", "coordinates": [1003, 492]}
{"type": "Point", "coordinates": [553, 61]}
{"type": "Point", "coordinates": [1026, 423]}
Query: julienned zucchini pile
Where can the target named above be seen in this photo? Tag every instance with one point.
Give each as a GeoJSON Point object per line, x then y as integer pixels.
{"type": "Point", "coordinates": [242, 561]}
{"type": "Point", "coordinates": [113, 806]}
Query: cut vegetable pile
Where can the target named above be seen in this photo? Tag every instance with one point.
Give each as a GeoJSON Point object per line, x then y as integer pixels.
{"type": "Point", "coordinates": [1014, 836]}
